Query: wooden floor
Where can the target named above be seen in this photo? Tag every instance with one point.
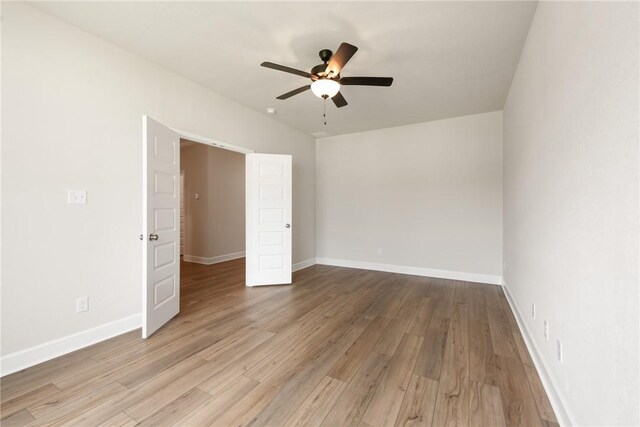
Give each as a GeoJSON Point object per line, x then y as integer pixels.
{"type": "Point", "coordinates": [340, 347]}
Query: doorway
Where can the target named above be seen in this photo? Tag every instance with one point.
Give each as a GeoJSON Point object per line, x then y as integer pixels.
{"type": "Point", "coordinates": [268, 214]}
{"type": "Point", "coordinates": [212, 220]}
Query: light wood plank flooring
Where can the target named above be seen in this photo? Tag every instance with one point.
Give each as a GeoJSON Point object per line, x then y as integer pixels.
{"type": "Point", "coordinates": [340, 347]}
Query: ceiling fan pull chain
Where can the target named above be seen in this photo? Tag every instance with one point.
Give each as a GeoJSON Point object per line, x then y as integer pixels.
{"type": "Point", "coordinates": [324, 113]}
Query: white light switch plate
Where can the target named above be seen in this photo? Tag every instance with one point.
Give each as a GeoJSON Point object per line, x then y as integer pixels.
{"type": "Point", "coordinates": [77, 197]}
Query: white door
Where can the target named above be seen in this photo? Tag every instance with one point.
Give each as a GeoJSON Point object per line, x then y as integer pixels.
{"type": "Point", "coordinates": [268, 205]}
{"type": "Point", "coordinates": [182, 213]}
{"type": "Point", "coordinates": [161, 210]}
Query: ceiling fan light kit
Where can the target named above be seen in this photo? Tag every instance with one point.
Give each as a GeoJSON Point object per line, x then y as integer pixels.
{"type": "Point", "coordinates": [325, 88]}
{"type": "Point", "coordinates": [326, 81]}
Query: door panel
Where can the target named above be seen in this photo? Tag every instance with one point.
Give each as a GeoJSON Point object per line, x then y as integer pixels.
{"type": "Point", "coordinates": [161, 299]}
{"type": "Point", "coordinates": [268, 207]}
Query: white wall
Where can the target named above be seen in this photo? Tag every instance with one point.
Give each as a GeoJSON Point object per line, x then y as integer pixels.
{"type": "Point", "coordinates": [571, 202]}
{"type": "Point", "coordinates": [72, 109]}
{"type": "Point", "coordinates": [215, 222]}
{"type": "Point", "coordinates": [429, 195]}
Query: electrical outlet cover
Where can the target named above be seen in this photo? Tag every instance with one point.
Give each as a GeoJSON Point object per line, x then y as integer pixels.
{"type": "Point", "coordinates": [546, 329]}
{"type": "Point", "coordinates": [82, 304]}
{"type": "Point", "coordinates": [559, 354]}
{"type": "Point", "coordinates": [533, 310]}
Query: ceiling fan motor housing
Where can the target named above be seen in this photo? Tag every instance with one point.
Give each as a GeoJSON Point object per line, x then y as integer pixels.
{"type": "Point", "coordinates": [319, 70]}
{"type": "Point", "coordinates": [325, 55]}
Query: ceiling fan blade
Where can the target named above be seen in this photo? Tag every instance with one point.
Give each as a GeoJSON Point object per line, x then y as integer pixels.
{"type": "Point", "coordinates": [294, 92]}
{"type": "Point", "coordinates": [367, 81]}
{"type": "Point", "coordinates": [340, 58]}
{"type": "Point", "coordinates": [339, 100]}
{"type": "Point", "coordinates": [286, 69]}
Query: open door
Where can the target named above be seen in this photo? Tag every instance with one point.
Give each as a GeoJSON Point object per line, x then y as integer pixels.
{"type": "Point", "coordinates": [268, 206]}
{"type": "Point", "coordinates": [161, 207]}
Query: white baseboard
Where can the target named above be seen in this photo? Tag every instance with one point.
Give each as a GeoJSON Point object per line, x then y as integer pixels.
{"type": "Point", "coordinates": [555, 398]}
{"type": "Point", "coordinates": [416, 271]}
{"type": "Point", "coordinates": [23, 359]}
{"type": "Point", "coordinates": [303, 264]}
{"type": "Point", "coordinates": [213, 259]}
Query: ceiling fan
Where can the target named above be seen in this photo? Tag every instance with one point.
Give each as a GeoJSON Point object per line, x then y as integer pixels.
{"type": "Point", "coordinates": [325, 78]}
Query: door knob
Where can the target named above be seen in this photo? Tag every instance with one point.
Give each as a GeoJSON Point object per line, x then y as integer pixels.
{"type": "Point", "coordinates": [153, 237]}
{"type": "Point", "coordinates": [287, 226]}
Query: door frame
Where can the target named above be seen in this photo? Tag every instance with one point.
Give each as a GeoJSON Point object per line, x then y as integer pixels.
{"type": "Point", "coordinates": [182, 134]}
{"type": "Point", "coordinates": [208, 141]}
{"type": "Point", "coordinates": [182, 235]}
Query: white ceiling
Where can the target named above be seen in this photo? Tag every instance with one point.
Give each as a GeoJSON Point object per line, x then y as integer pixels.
{"type": "Point", "coordinates": [447, 58]}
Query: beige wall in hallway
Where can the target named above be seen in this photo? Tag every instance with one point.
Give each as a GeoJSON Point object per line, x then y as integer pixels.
{"type": "Point", "coordinates": [215, 222]}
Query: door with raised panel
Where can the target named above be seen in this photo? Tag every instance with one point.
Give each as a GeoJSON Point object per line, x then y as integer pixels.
{"type": "Point", "coordinates": [161, 216]}
{"type": "Point", "coordinates": [268, 216]}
